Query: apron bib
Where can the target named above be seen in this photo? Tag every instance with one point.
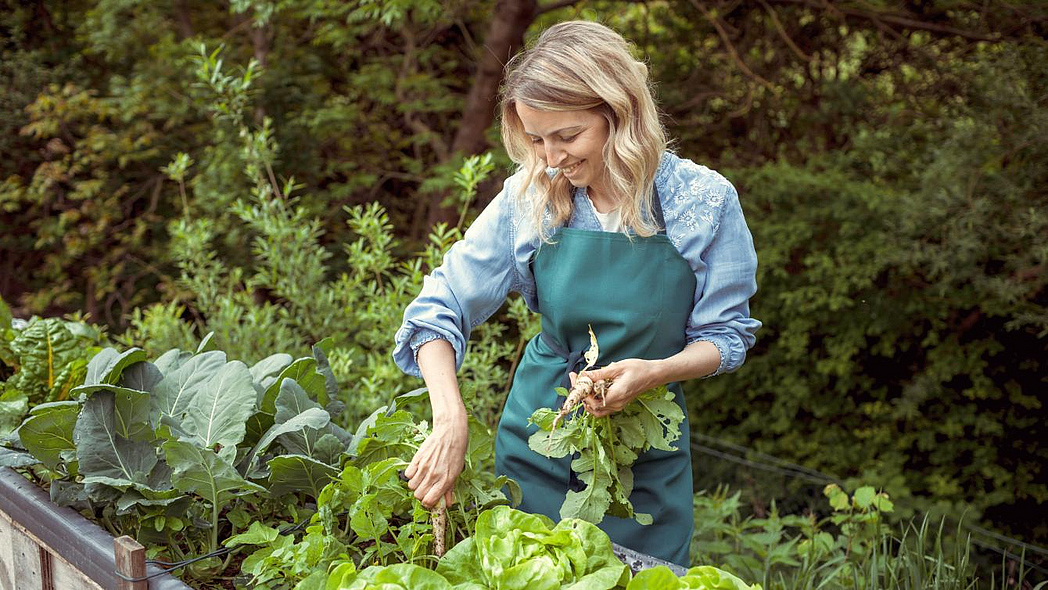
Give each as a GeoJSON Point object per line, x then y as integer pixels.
{"type": "Point", "coordinates": [637, 294]}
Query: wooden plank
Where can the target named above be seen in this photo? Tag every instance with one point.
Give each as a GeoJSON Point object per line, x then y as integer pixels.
{"type": "Point", "coordinates": [69, 537]}
{"type": "Point", "coordinates": [67, 577]}
{"type": "Point", "coordinates": [55, 573]}
{"type": "Point", "coordinates": [23, 560]}
{"type": "Point", "coordinates": [7, 558]}
{"type": "Point", "coordinates": [130, 557]}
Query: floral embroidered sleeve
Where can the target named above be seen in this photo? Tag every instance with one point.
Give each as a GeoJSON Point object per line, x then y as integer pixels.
{"type": "Point", "coordinates": [705, 222]}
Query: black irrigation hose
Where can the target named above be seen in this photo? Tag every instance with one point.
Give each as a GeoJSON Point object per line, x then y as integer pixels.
{"type": "Point", "coordinates": [171, 566]}
{"type": "Point", "coordinates": [773, 465]}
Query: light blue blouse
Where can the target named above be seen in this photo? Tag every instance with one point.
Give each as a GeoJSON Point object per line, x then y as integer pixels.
{"type": "Point", "coordinates": [704, 220]}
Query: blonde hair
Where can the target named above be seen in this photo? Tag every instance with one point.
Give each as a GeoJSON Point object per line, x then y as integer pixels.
{"type": "Point", "coordinates": [582, 65]}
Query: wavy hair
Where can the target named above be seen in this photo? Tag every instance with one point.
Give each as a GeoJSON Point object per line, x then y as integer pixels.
{"type": "Point", "coordinates": [582, 65]}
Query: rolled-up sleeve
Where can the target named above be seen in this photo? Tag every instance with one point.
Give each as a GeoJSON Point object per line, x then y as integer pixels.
{"type": "Point", "coordinates": [721, 314]}
{"type": "Point", "coordinates": [467, 288]}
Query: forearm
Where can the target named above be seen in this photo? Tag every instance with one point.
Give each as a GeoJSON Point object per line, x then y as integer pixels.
{"type": "Point", "coordinates": [436, 360]}
{"type": "Point", "coordinates": [698, 359]}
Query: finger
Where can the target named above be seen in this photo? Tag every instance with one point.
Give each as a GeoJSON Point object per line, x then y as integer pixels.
{"type": "Point", "coordinates": [571, 377]}
{"type": "Point", "coordinates": [598, 374]}
{"type": "Point", "coordinates": [432, 497]}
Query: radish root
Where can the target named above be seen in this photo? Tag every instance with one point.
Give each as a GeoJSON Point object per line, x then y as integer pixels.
{"type": "Point", "coordinates": [440, 528]}
{"type": "Point", "coordinates": [584, 387]}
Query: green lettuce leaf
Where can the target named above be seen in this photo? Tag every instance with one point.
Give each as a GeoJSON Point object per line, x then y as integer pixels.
{"type": "Point", "coordinates": [401, 576]}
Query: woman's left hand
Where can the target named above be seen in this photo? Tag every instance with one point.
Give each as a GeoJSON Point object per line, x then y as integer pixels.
{"type": "Point", "coordinates": [630, 378]}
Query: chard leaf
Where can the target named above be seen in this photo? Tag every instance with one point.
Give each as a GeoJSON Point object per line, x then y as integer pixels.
{"type": "Point", "coordinates": [13, 407]}
{"type": "Point", "coordinates": [49, 430]}
{"type": "Point", "coordinates": [108, 365]}
{"type": "Point", "coordinates": [218, 411]}
{"type": "Point", "coordinates": [179, 385]}
{"type": "Point", "coordinates": [202, 472]}
{"type": "Point", "coordinates": [102, 451]}
{"type": "Point", "coordinates": [43, 348]}
{"type": "Point", "coordinates": [299, 473]}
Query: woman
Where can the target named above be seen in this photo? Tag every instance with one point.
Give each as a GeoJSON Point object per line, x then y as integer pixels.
{"type": "Point", "coordinates": [600, 226]}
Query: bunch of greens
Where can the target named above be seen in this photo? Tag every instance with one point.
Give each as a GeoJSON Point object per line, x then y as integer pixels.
{"type": "Point", "coordinates": [606, 449]}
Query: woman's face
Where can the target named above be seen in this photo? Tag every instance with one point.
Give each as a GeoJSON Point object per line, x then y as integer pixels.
{"type": "Point", "coordinates": [570, 141]}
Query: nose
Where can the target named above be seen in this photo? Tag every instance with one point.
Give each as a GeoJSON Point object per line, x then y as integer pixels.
{"type": "Point", "coordinates": [554, 156]}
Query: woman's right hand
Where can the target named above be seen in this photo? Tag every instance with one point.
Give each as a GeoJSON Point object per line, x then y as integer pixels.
{"type": "Point", "coordinates": [439, 461]}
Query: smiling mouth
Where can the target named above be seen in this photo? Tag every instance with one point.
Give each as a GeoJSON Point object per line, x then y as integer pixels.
{"type": "Point", "coordinates": [571, 169]}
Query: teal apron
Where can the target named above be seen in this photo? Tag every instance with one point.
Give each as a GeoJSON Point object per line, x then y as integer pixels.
{"type": "Point", "coordinates": [637, 295]}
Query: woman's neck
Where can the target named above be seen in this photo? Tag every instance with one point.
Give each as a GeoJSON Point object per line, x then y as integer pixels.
{"type": "Point", "coordinates": [601, 202]}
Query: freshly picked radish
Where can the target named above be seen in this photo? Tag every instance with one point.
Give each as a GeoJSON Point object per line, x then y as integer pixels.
{"type": "Point", "coordinates": [607, 447]}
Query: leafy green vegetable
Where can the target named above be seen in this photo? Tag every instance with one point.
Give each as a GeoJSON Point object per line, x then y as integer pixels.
{"type": "Point", "coordinates": [299, 473]}
{"type": "Point", "coordinates": [100, 448]}
{"type": "Point", "coordinates": [218, 412]}
{"type": "Point", "coordinates": [697, 578]}
{"type": "Point", "coordinates": [184, 375]}
{"type": "Point", "coordinates": [49, 431]}
{"type": "Point", "coordinates": [513, 549]}
{"type": "Point", "coordinates": [607, 448]}
{"type": "Point", "coordinates": [402, 576]}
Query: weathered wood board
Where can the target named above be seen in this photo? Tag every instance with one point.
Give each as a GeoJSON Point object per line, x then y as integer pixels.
{"type": "Point", "coordinates": [46, 547]}
{"type": "Point", "coordinates": [27, 564]}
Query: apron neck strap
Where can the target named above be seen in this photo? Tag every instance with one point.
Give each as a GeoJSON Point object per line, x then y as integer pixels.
{"type": "Point", "coordinates": [657, 209]}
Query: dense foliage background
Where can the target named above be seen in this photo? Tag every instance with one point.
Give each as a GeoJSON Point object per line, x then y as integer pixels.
{"type": "Point", "coordinates": [173, 168]}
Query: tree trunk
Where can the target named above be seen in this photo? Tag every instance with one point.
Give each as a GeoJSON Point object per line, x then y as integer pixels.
{"type": "Point", "coordinates": [505, 36]}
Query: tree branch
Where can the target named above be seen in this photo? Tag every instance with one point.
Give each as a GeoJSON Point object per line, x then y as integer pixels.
{"type": "Point", "coordinates": [906, 20]}
{"type": "Point", "coordinates": [728, 45]}
{"type": "Point", "coordinates": [782, 33]}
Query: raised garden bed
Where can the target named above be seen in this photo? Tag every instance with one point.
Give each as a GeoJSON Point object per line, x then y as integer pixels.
{"type": "Point", "coordinates": [47, 547]}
